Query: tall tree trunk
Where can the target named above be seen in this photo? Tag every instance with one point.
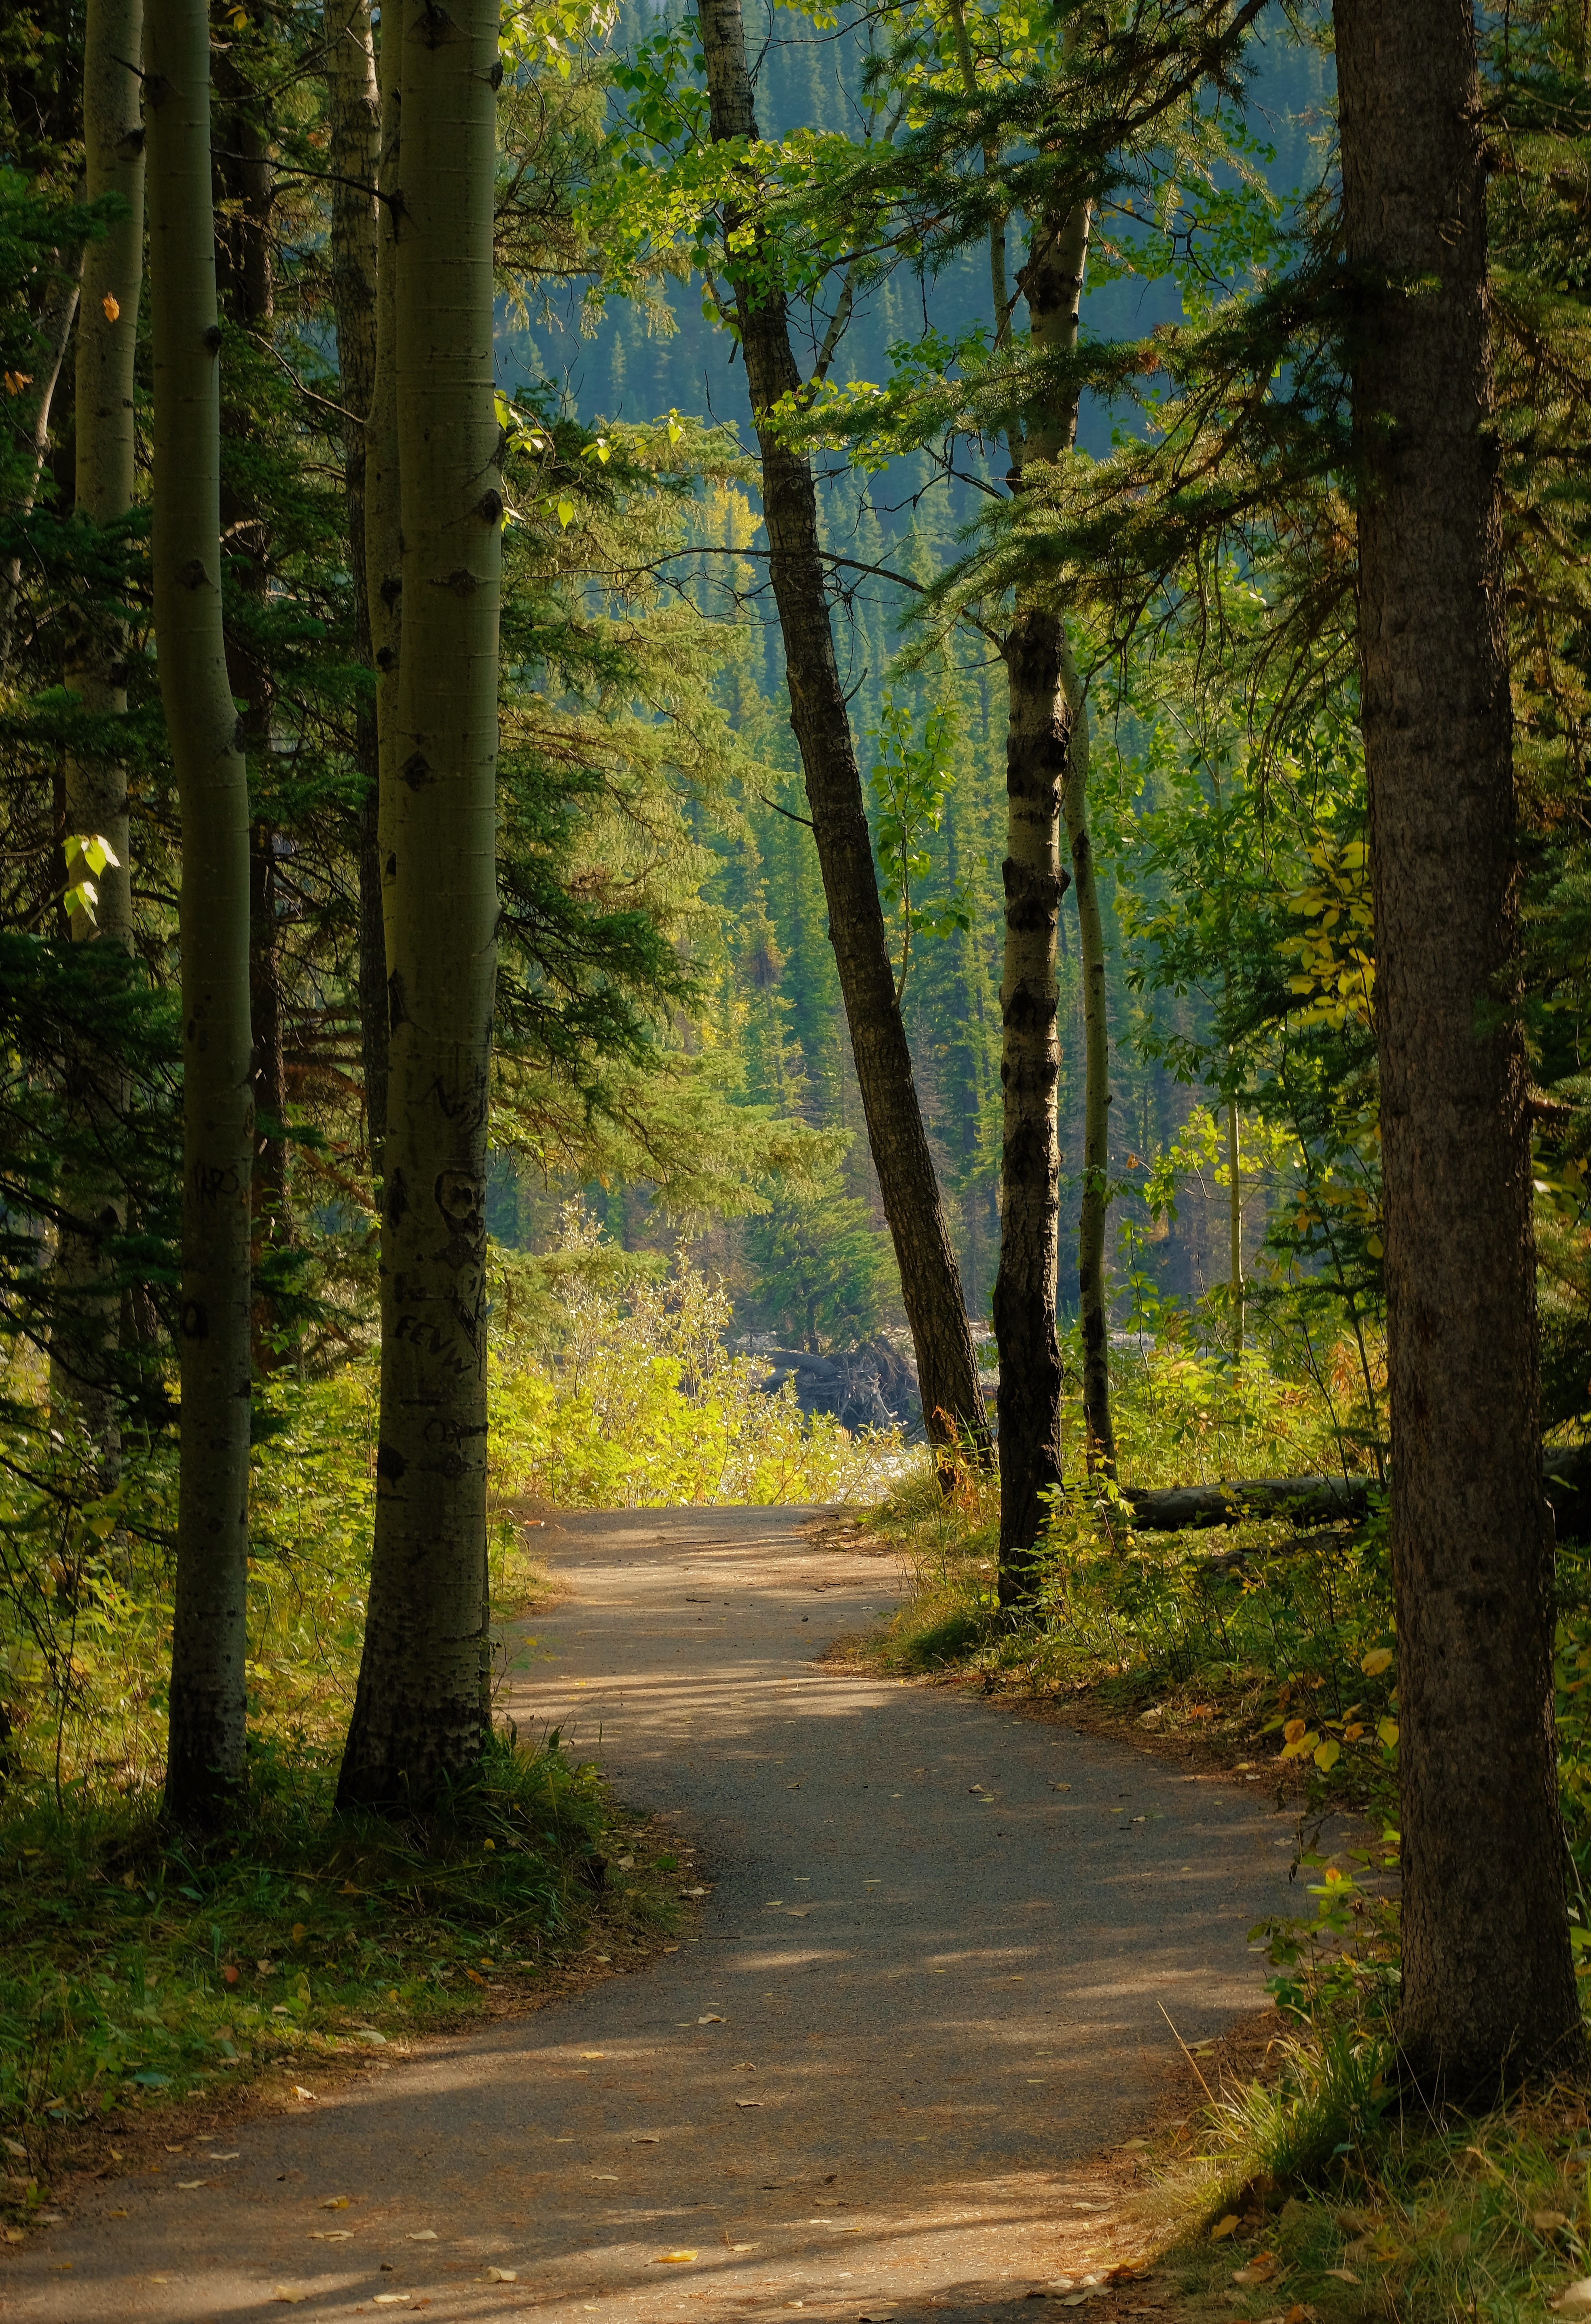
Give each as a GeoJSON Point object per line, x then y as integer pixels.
{"type": "Point", "coordinates": [1235, 1226]}
{"type": "Point", "coordinates": [206, 1756]}
{"type": "Point", "coordinates": [420, 1713]}
{"type": "Point", "coordinates": [383, 575]}
{"type": "Point", "coordinates": [55, 331]}
{"type": "Point", "coordinates": [1043, 733]}
{"type": "Point", "coordinates": [1037, 745]}
{"type": "Point", "coordinates": [1098, 1429]}
{"type": "Point", "coordinates": [1488, 1989]}
{"type": "Point", "coordinates": [930, 1283]}
{"type": "Point", "coordinates": [246, 290]}
{"type": "Point", "coordinates": [354, 156]}
{"type": "Point", "coordinates": [88, 1304]}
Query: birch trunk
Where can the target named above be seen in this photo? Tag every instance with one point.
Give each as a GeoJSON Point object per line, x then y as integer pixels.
{"type": "Point", "coordinates": [1234, 1227]}
{"type": "Point", "coordinates": [420, 1714]}
{"type": "Point", "coordinates": [1488, 1990]}
{"type": "Point", "coordinates": [206, 1755]}
{"type": "Point", "coordinates": [931, 1281]}
{"type": "Point", "coordinates": [1043, 733]}
{"type": "Point", "coordinates": [354, 104]}
{"type": "Point", "coordinates": [87, 1305]}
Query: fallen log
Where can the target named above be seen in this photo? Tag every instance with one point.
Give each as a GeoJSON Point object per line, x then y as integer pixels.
{"type": "Point", "coordinates": [1566, 1474]}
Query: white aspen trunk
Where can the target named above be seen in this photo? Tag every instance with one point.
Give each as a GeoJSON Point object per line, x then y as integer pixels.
{"type": "Point", "coordinates": [87, 1306]}
{"type": "Point", "coordinates": [420, 1714]}
{"type": "Point", "coordinates": [1234, 1227]}
{"type": "Point", "coordinates": [205, 1754]}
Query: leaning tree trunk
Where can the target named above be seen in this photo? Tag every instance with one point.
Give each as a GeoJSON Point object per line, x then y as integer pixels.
{"type": "Point", "coordinates": [1488, 1989]}
{"type": "Point", "coordinates": [354, 104]}
{"type": "Point", "coordinates": [55, 331]}
{"type": "Point", "coordinates": [1099, 1431]}
{"type": "Point", "coordinates": [1044, 734]}
{"type": "Point", "coordinates": [931, 1282]}
{"type": "Point", "coordinates": [420, 1714]}
{"type": "Point", "coordinates": [206, 1756]}
{"type": "Point", "coordinates": [96, 777]}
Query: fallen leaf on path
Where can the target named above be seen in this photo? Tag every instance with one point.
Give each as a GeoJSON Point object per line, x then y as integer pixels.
{"type": "Point", "coordinates": [391, 2299]}
{"type": "Point", "coordinates": [745, 2248]}
{"type": "Point", "coordinates": [333, 2203]}
{"type": "Point", "coordinates": [1226, 2226]}
{"type": "Point", "coordinates": [423, 2236]}
{"type": "Point", "coordinates": [799, 1912]}
{"type": "Point", "coordinates": [185, 2185]}
{"type": "Point", "coordinates": [1549, 2222]}
{"type": "Point", "coordinates": [176, 2149]}
{"type": "Point", "coordinates": [14, 2146]}
{"type": "Point", "coordinates": [331, 2235]}
{"type": "Point", "coordinates": [299, 2091]}
{"type": "Point", "coordinates": [116, 2214]}
{"type": "Point", "coordinates": [16, 2235]}
{"type": "Point", "coordinates": [693, 1892]}
{"type": "Point", "coordinates": [673, 2259]}
{"type": "Point", "coordinates": [711, 2021]}
{"type": "Point", "coordinates": [282, 2291]}
{"type": "Point", "coordinates": [1575, 2301]}
{"type": "Point", "coordinates": [748, 2102]}
{"type": "Point", "coordinates": [1061, 1787]}
{"type": "Point", "coordinates": [645, 2138]}
{"type": "Point", "coordinates": [230, 2156]}
{"type": "Point", "coordinates": [594, 2054]}
{"type": "Point", "coordinates": [1260, 2269]}
{"type": "Point", "coordinates": [1343, 2275]}
{"type": "Point", "coordinates": [501, 2275]}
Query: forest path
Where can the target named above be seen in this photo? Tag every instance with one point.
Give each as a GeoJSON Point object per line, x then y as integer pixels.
{"type": "Point", "coordinates": [871, 2085]}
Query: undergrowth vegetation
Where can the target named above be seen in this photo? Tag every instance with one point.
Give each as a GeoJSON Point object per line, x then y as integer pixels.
{"type": "Point", "coordinates": [135, 1966]}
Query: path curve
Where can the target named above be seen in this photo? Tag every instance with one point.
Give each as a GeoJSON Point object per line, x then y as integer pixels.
{"type": "Point", "coordinates": [927, 1990]}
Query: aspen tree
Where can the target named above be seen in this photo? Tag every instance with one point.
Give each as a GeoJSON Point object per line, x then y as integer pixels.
{"type": "Point", "coordinates": [420, 1713]}
{"type": "Point", "coordinates": [95, 781]}
{"type": "Point", "coordinates": [205, 1754]}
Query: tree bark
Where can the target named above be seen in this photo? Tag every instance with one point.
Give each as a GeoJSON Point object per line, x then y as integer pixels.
{"type": "Point", "coordinates": [1235, 1226]}
{"type": "Point", "coordinates": [420, 1714]}
{"type": "Point", "coordinates": [1098, 1430]}
{"type": "Point", "coordinates": [205, 1762]}
{"type": "Point", "coordinates": [1488, 1990]}
{"type": "Point", "coordinates": [931, 1282]}
{"type": "Point", "coordinates": [96, 783]}
{"type": "Point", "coordinates": [1042, 735]}
{"type": "Point", "coordinates": [353, 158]}
{"type": "Point", "coordinates": [1037, 746]}
{"type": "Point", "coordinates": [55, 331]}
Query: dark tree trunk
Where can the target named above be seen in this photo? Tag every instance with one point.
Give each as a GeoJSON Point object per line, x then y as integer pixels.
{"type": "Point", "coordinates": [247, 295]}
{"type": "Point", "coordinates": [1036, 749]}
{"type": "Point", "coordinates": [1488, 1990]}
{"type": "Point", "coordinates": [931, 1282]}
{"type": "Point", "coordinates": [355, 107]}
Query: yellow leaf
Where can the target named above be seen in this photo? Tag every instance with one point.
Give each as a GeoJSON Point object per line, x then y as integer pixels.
{"type": "Point", "coordinates": [1549, 2222]}
{"type": "Point", "coordinates": [333, 2203]}
{"type": "Point", "coordinates": [1327, 1755]}
{"type": "Point", "coordinates": [112, 306]}
{"type": "Point", "coordinates": [673, 2259]}
{"type": "Point", "coordinates": [1379, 1659]}
{"type": "Point", "coordinates": [1224, 2228]}
{"type": "Point", "coordinates": [1293, 1732]}
{"type": "Point", "coordinates": [1388, 1732]}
